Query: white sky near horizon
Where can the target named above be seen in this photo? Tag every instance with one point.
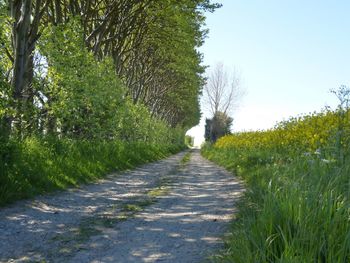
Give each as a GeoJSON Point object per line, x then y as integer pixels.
{"type": "Point", "coordinates": [290, 54]}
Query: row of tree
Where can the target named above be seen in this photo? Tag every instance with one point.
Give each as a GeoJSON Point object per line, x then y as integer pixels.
{"type": "Point", "coordinates": [75, 68]}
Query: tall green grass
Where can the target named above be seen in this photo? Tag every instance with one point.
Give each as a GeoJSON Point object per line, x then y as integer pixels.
{"type": "Point", "coordinates": [295, 209]}
{"type": "Point", "coordinates": [297, 204]}
{"type": "Point", "coordinates": [40, 165]}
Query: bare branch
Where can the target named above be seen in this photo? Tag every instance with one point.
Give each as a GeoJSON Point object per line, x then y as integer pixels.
{"type": "Point", "coordinates": [222, 91]}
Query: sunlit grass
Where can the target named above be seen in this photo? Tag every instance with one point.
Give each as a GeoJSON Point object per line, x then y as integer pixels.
{"type": "Point", "coordinates": [296, 207]}
{"type": "Point", "coordinates": [36, 166]}
{"type": "Point", "coordinates": [186, 158]}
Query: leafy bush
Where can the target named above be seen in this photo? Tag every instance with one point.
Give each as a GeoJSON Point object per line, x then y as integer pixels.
{"type": "Point", "coordinates": [81, 97]}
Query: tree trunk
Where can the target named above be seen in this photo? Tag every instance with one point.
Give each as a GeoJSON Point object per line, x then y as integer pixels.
{"type": "Point", "coordinates": [21, 14]}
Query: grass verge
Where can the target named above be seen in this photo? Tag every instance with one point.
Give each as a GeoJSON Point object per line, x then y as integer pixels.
{"type": "Point", "coordinates": [38, 166]}
{"type": "Point", "coordinates": [296, 208]}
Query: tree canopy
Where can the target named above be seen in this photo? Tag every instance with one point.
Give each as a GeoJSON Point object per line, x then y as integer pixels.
{"type": "Point", "coordinates": [71, 67]}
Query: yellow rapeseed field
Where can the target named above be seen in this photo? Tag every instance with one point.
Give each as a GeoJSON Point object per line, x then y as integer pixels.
{"type": "Point", "coordinates": [306, 133]}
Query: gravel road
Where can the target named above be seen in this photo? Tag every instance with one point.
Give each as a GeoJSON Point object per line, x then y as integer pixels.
{"type": "Point", "coordinates": [167, 211]}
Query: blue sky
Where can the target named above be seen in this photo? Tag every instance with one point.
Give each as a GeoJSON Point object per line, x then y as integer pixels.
{"type": "Point", "coordinates": [289, 53]}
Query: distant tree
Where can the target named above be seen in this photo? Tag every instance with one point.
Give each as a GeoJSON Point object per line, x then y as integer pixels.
{"type": "Point", "coordinates": [207, 129]}
{"type": "Point", "coordinates": [218, 126]}
{"type": "Point", "coordinates": [222, 90]}
{"type": "Point", "coordinates": [221, 95]}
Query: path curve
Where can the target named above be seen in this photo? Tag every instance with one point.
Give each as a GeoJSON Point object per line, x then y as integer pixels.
{"type": "Point", "coordinates": [161, 212]}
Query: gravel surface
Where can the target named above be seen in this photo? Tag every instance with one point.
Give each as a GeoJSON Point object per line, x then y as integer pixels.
{"type": "Point", "coordinates": [165, 211]}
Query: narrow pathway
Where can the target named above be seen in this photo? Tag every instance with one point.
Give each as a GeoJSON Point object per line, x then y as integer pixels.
{"type": "Point", "coordinates": [161, 212]}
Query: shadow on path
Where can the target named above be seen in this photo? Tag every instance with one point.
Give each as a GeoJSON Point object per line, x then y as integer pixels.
{"type": "Point", "coordinates": [185, 225]}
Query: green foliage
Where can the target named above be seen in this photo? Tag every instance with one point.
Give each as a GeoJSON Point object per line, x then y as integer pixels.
{"type": "Point", "coordinates": [5, 108]}
{"type": "Point", "coordinates": [5, 91]}
{"type": "Point", "coordinates": [77, 59]}
{"type": "Point", "coordinates": [36, 166]}
{"type": "Point", "coordinates": [296, 207]}
{"type": "Point", "coordinates": [83, 95]}
{"type": "Point", "coordinates": [96, 97]}
{"type": "Point", "coordinates": [189, 140]}
{"type": "Point", "coordinates": [137, 124]}
{"type": "Point", "coordinates": [186, 158]}
{"type": "Point", "coordinates": [5, 40]}
{"type": "Point", "coordinates": [168, 51]}
{"type": "Point", "coordinates": [218, 126]}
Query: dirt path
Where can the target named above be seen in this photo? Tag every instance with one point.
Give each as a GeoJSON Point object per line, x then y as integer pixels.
{"type": "Point", "coordinates": [161, 212]}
